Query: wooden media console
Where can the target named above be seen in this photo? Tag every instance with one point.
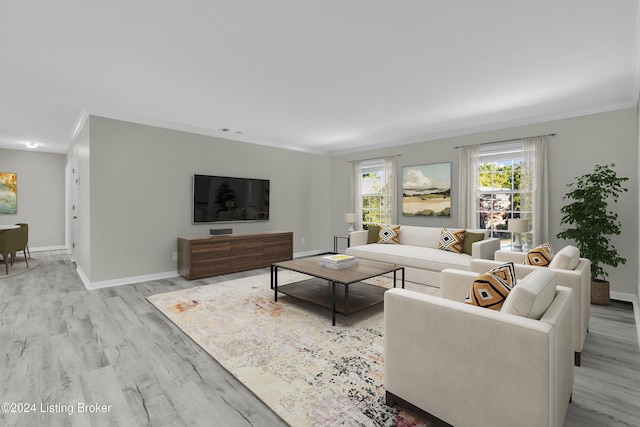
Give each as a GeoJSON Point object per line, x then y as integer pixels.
{"type": "Point", "coordinates": [208, 256]}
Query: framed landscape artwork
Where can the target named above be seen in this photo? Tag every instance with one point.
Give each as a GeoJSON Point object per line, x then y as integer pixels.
{"type": "Point", "coordinates": [8, 193]}
{"type": "Point", "coordinates": [426, 190]}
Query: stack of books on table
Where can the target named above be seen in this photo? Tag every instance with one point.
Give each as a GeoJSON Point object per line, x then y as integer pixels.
{"type": "Point", "coordinates": [338, 262]}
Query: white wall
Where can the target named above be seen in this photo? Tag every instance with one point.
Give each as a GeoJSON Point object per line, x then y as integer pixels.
{"type": "Point", "coordinates": [140, 195]}
{"type": "Point", "coordinates": [580, 144]}
{"type": "Point", "coordinates": [41, 195]}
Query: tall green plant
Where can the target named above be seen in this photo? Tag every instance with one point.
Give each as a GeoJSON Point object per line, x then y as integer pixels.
{"type": "Point", "coordinates": [590, 222]}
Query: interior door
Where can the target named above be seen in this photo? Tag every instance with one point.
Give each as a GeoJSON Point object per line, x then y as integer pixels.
{"type": "Point", "coordinates": [74, 208]}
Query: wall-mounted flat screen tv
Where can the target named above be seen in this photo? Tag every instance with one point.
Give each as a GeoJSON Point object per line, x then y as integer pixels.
{"type": "Point", "coordinates": [229, 199]}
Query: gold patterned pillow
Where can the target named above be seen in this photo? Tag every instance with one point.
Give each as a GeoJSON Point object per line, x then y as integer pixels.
{"type": "Point", "coordinates": [451, 240]}
{"type": "Point", "coordinates": [506, 272]}
{"type": "Point", "coordinates": [488, 291]}
{"type": "Point", "coordinates": [540, 256]}
{"type": "Point", "coordinates": [389, 234]}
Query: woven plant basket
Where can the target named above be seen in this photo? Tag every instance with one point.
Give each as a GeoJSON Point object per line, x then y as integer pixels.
{"type": "Point", "coordinates": [600, 292]}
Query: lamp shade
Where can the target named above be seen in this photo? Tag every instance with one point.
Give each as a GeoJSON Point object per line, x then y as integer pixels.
{"type": "Point", "coordinates": [350, 217]}
{"type": "Point", "coordinates": [517, 225]}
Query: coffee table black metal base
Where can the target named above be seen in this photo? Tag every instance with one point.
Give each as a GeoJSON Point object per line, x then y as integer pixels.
{"type": "Point", "coordinates": [341, 291]}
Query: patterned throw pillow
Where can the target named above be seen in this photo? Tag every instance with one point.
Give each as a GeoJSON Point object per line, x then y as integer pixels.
{"type": "Point", "coordinates": [451, 240]}
{"type": "Point", "coordinates": [488, 291]}
{"type": "Point", "coordinates": [506, 272]}
{"type": "Point", "coordinates": [389, 234]}
{"type": "Point", "coordinates": [540, 256]}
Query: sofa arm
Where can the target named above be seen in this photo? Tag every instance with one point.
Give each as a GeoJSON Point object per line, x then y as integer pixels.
{"type": "Point", "coordinates": [485, 249]}
{"type": "Point", "coordinates": [358, 238]}
{"type": "Point", "coordinates": [442, 356]}
{"type": "Point", "coordinates": [455, 284]}
{"type": "Point", "coordinates": [506, 256]}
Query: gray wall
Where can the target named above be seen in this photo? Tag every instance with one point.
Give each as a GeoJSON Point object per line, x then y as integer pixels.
{"type": "Point", "coordinates": [41, 195]}
{"type": "Point", "coordinates": [580, 144]}
{"type": "Point", "coordinates": [140, 194]}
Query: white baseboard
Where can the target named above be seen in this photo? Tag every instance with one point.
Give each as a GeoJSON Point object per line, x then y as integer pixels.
{"type": "Point", "coordinates": [311, 253]}
{"type": "Point", "coordinates": [123, 280]}
{"type": "Point", "coordinates": [48, 248]}
{"type": "Point", "coordinates": [157, 276]}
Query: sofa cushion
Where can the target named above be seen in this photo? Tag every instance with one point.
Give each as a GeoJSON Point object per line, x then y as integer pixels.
{"type": "Point", "coordinates": [488, 291]}
{"type": "Point", "coordinates": [567, 258]}
{"type": "Point", "coordinates": [374, 231]}
{"type": "Point", "coordinates": [469, 239]}
{"type": "Point", "coordinates": [451, 240]}
{"type": "Point", "coordinates": [414, 235]}
{"type": "Point", "coordinates": [540, 256]}
{"type": "Point", "coordinates": [389, 234]}
{"type": "Point", "coordinates": [532, 295]}
{"type": "Point", "coordinates": [431, 259]}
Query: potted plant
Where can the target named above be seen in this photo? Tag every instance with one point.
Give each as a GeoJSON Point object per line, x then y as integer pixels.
{"type": "Point", "coordinates": [590, 224]}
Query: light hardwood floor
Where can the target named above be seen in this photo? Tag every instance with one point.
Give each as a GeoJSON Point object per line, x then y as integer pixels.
{"type": "Point", "coordinates": [62, 346]}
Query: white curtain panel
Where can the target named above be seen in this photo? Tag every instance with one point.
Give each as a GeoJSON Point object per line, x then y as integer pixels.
{"type": "Point", "coordinates": [390, 185]}
{"type": "Point", "coordinates": [355, 204]}
{"type": "Point", "coordinates": [535, 178]}
{"type": "Point", "coordinates": [467, 184]}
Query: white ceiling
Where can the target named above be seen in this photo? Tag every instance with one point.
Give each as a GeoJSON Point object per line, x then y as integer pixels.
{"type": "Point", "coordinates": [324, 76]}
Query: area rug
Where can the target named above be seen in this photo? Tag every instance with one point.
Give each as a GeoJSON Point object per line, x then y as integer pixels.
{"type": "Point", "coordinates": [19, 266]}
{"type": "Point", "coordinates": [288, 354]}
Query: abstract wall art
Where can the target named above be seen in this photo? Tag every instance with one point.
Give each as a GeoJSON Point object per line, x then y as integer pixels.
{"type": "Point", "coordinates": [426, 190]}
{"type": "Point", "coordinates": [8, 193]}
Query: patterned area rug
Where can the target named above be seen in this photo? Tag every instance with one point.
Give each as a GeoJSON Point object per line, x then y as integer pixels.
{"type": "Point", "coordinates": [288, 354]}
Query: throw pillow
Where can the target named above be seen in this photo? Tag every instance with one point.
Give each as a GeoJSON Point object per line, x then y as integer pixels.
{"type": "Point", "coordinates": [374, 230]}
{"type": "Point", "coordinates": [488, 291]}
{"type": "Point", "coordinates": [567, 258]}
{"type": "Point", "coordinates": [451, 240]}
{"type": "Point", "coordinates": [533, 295]}
{"type": "Point", "coordinates": [506, 272]}
{"type": "Point", "coordinates": [540, 256]}
{"type": "Point", "coordinates": [469, 239]}
{"type": "Point", "coordinates": [389, 234]}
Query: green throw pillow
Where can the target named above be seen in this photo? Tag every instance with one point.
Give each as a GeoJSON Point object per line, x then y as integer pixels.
{"type": "Point", "coordinates": [469, 239]}
{"type": "Point", "coordinates": [373, 234]}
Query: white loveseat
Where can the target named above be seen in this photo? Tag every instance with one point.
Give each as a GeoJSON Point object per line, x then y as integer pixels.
{"type": "Point", "coordinates": [418, 252]}
{"type": "Point", "coordinates": [472, 366]}
{"type": "Point", "coordinates": [571, 271]}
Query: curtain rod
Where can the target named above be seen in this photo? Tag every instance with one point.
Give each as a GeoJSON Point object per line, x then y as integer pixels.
{"type": "Point", "coordinates": [505, 140]}
{"type": "Point", "coordinates": [374, 158]}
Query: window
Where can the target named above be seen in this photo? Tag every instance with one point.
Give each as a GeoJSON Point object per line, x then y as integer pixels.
{"type": "Point", "coordinates": [500, 193]}
{"type": "Point", "coordinates": [374, 191]}
{"type": "Point", "coordinates": [498, 181]}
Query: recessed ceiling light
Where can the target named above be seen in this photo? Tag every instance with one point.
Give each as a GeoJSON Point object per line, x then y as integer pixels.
{"type": "Point", "coordinates": [32, 145]}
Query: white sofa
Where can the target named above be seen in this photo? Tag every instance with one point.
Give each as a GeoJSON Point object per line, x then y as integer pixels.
{"type": "Point", "coordinates": [571, 271]}
{"type": "Point", "coordinates": [418, 252]}
{"type": "Point", "coordinates": [472, 366]}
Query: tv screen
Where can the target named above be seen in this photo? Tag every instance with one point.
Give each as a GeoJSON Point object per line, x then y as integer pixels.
{"type": "Point", "coordinates": [224, 199]}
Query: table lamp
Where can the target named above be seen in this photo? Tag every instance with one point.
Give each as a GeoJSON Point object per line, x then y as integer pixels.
{"type": "Point", "coordinates": [518, 226]}
{"type": "Point", "coordinates": [350, 218]}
